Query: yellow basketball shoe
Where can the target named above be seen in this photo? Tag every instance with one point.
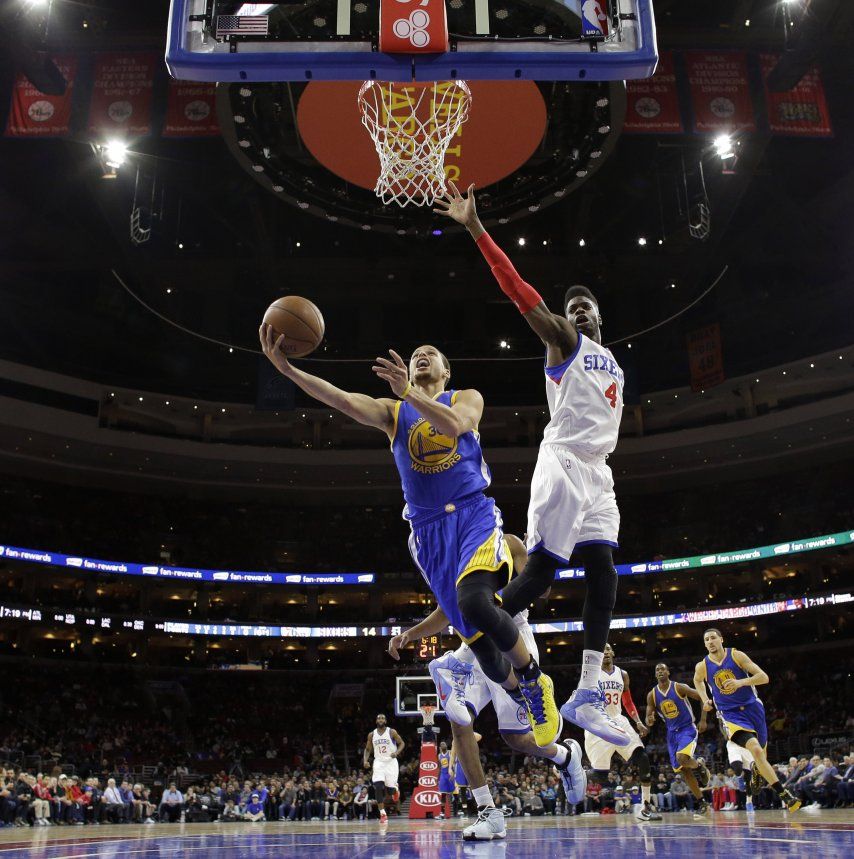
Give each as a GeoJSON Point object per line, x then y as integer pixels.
{"type": "Point", "coordinates": [543, 715]}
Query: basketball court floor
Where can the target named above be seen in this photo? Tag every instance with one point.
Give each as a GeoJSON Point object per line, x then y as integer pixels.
{"type": "Point", "coordinates": [763, 834]}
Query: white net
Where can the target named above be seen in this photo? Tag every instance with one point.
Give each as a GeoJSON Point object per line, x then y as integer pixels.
{"type": "Point", "coordinates": [412, 126]}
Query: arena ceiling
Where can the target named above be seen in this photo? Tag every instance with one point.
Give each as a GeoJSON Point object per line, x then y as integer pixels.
{"type": "Point", "coordinates": [226, 246]}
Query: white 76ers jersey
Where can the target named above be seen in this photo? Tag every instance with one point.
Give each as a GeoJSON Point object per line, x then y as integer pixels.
{"type": "Point", "coordinates": [384, 745]}
{"type": "Point", "coordinates": [585, 396]}
{"type": "Point", "coordinates": [612, 687]}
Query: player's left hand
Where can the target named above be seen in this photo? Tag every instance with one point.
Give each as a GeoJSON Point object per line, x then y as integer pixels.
{"type": "Point", "coordinates": [394, 372]}
{"type": "Point", "coordinates": [396, 644]}
{"type": "Point", "coordinates": [642, 729]}
{"type": "Point", "coordinates": [730, 685]}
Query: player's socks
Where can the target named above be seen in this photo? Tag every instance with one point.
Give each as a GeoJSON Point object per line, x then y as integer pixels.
{"type": "Point", "coordinates": [788, 799]}
{"type": "Point", "coordinates": [591, 665]}
{"type": "Point", "coordinates": [560, 755]}
{"type": "Point", "coordinates": [482, 797]}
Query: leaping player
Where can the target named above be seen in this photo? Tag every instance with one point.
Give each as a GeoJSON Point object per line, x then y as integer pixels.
{"type": "Point", "coordinates": [733, 677]}
{"type": "Point", "coordinates": [614, 683]}
{"type": "Point", "coordinates": [386, 745]}
{"type": "Point", "coordinates": [573, 506]}
{"type": "Point", "coordinates": [472, 697]}
{"type": "Point", "coordinates": [670, 700]}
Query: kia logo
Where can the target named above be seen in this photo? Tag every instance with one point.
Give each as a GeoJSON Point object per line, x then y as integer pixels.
{"type": "Point", "coordinates": [429, 765]}
{"type": "Point", "coordinates": [428, 781]}
{"type": "Point", "coordinates": [426, 798]}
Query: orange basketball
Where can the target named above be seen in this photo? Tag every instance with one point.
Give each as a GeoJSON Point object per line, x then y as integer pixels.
{"type": "Point", "coordinates": [301, 323]}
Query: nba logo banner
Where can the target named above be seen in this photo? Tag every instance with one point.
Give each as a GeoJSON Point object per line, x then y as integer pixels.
{"type": "Point", "coordinates": [121, 94]}
{"type": "Point", "coordinates": [413, 27]}
{"type": "Point", "coordinates": [594, 19]}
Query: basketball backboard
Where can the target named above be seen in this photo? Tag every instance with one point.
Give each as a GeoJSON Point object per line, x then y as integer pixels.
{"type": "Point", "coordinates": [412, 692]}
{"type": "Point", "coordinates": [547, 40]}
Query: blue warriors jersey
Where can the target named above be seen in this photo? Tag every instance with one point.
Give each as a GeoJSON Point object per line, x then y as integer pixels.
{"type": "Point", "coordinates": [675, 710]}
{"type": "Point", "coordinates": [435, 469]}
{"type": "Point", "coordinates": [444, 761]}
{"type": "Point", "coordinates": [728, 669]}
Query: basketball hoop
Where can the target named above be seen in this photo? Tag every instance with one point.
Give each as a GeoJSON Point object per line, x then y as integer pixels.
{"type": "Point", "coordinates": [412, 126]}
{"type": "Point", "coordinates": [428, 713]}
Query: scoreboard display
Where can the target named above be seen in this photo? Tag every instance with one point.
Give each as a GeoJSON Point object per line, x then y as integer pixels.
{"type": "Point", "coordinates": [429, 647]}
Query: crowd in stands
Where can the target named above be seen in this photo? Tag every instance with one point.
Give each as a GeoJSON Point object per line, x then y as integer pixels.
{"type": "Point", "coordinates": [530, 789]}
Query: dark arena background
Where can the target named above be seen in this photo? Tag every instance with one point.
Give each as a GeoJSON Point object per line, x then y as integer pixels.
{"type": "Point", "coordinates": [202, 567]}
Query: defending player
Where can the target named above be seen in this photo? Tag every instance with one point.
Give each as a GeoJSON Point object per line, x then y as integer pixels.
{"type": "Point", "coordinates": [386, 745]}
{"type": "Point", "coordinates": [733, 677]}
{"type": "Point", "coordinates": [457, 539]}
{"type": "Point", "coordinates": [573, 506]}
{"type": "Point", "coordinates": [474, 695]}
{"type": "Point", "coordinates": [614, 683]}
{"type": "Point", "coordinates": [671, 701]}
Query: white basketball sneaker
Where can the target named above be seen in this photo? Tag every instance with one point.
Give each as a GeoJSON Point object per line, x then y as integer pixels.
{"type": "Point", "coordinates": [489, 825]}
{"type": "Point", "coordinates": [586, 708]}
{"type": "Point", "coordinates": [450, 677]}
{"type": "Point", "coordinates": [572, 773]}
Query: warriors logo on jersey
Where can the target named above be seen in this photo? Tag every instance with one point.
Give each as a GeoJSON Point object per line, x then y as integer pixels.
{"type": "Point", "coordinates": [431, 451]}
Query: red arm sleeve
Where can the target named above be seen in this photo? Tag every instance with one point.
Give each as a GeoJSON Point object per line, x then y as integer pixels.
{"type": "Point", "coordinates": [522, 294]}
{"type": "Point", "coordinates": [630, 705]}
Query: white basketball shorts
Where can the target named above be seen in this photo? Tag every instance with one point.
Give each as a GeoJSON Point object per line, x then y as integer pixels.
{"type": "Point", "coordinates": [386, 772]}
{"type": "Point", "coordinates": [480, 690]}
{"type": "Point", "coordinates": [599, 751]}
{"type": "Point", "coordinates": [572, 503]}
{"type": "Point", "coordinates": [736, 753]}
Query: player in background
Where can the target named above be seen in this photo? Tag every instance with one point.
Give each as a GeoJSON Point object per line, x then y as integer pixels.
{"type": "Point", "coordinates": [573, 506]}
{"type": "Point", "coordinates": [386, 745]}
{"type": "Point", "coordinates": [742, 764]}
{"type": "Point", "coordinates": [671, 701]}
{"type": "Point", "coordinates": [461, 784]}
{"type": "Point", "coordinates": [614, 683]}
{"type": "Point", "coordinates": [474, 696]}
{"type": "Point", "coordinates": [733, 677]}
{"type": "Point", "coordinates": [446, 780]}
{"type": "Point", "coordinates": [457, 538]}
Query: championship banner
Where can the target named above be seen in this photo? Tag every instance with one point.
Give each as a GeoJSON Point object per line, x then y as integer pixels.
{"type": "Point", "coordinates": [720, 92]}
{"type": "Point", "coordinates": [652, 105]}
{"type": "Point", "coordinates": [800, 112]}
{"type": "Point", "coordinates": [191, 110]}
{"type": "Point", "coordinates": [705, 357]}
{"type": "Point", "coordinates": [426, 798]}
{"type": "Point", "coordinates": [121, 94]}
{"type": "Point", "coordinates": [34, 114]}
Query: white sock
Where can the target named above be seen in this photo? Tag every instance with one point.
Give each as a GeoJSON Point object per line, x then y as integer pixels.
{"type": "Point", "coordinates": [482, 797]}
{"type": "Point", "coordinates": [645, 792]}
{"type": "Point", "coordinates": [560, 755]}
{"type": "Point", "coordinates": [591, 665]}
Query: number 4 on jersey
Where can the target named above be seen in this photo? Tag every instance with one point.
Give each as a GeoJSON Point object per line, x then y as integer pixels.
{"type": "Point", "coordinates": [611, 395]}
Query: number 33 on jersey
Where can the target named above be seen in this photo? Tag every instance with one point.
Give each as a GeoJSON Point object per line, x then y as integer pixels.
{"type": "Point", "coordinates": [585, 396]}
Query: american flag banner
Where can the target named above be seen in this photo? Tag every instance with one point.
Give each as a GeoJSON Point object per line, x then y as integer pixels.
{"type": "Point", "coordinates": [242, 25]}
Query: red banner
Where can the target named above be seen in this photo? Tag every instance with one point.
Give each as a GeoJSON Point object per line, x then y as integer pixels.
{"type": "Point", "coordinates": [719, 91]}
{"type": "Point", "coordinates": [426, 799]}
{"type": "Point", "coordinates": [34, 114]}
{"type": "Point", "coordinates": [705, 357]}
{"type": "Point", "coordinates": [800, 112]}
{"type": "Point", "coordinates": [653, 105]}
{"type": "Point", "coordinates": [191, 110]}
{"type": "Point", "coordinates": [121, 94]}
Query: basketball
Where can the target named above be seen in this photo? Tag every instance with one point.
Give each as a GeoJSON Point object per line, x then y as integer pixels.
{"type": "Point", "coordinates": [299, 321]}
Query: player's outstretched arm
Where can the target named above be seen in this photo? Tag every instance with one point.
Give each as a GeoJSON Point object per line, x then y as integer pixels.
{"type": "Point", "coordinates": [555, 331]}
{"type": "Point", "coordinates": [366, 410]}
{"type": "Point", "coordinates": [433, 624]}
{"type": "Point", "coordinates": [629, 705]}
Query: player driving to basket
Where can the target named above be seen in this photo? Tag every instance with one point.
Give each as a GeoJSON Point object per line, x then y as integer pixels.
{"type": "Point", "coordinates": [573, 506]}
{"type": "Point", "coordinates": [457, 538]}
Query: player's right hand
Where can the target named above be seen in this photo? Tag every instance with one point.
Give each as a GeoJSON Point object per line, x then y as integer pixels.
{"type": "Point", "coordinates": [271, 345]}
{"type": "Point", "coordinates": [650, 720]}
{"type": "Point", "coordinates": [453, 205]}
{"type": "Point", "coordinates": [397, 644]}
